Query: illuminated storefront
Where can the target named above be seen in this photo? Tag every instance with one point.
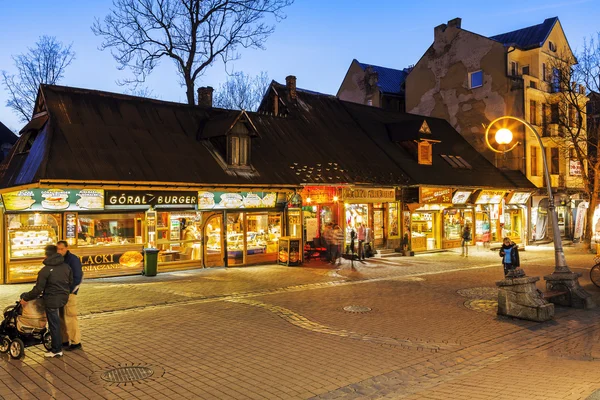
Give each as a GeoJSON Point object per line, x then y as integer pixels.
{"type": "Point", "coordinates": [377, 210]}
{"type": "Point", "coordinates": [108, 229]}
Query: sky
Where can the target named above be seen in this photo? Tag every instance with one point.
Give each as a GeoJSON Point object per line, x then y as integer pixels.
{"type": "Point", "coordinates": [316, 42]}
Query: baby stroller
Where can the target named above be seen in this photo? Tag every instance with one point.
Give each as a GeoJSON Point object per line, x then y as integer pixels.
{"type": "Point", "coordinates": [23, 327]}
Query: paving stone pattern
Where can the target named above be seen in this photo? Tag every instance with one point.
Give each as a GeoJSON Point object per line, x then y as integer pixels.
{"type": "Point", "coordinates": [282, 333]}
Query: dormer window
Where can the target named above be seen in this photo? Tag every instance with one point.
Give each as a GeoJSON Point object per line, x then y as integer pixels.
{"type": "Point", "coordinates": [424, 155]}
{"type": "Point", "coordinates": [238, 148]}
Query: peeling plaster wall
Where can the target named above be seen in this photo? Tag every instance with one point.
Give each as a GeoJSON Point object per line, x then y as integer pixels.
{"type": "Point", "coordinates": [438, 86]}
{"type": "Point", "coordinates": [352, 89]}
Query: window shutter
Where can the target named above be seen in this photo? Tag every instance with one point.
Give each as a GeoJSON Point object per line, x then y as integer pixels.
{"type": "Point", "coordinates": [425, 153]}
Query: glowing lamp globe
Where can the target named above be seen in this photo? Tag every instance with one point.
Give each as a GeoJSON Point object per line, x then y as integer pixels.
{"type": "Point", "coordinates": [504, 136]}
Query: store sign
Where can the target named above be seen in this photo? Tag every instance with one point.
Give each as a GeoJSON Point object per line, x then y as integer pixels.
{"type": "Point", "coordinates": [461, 196]}
{"type": "Point", "coordinates": [519, 197]}
{"type": "Point", "coordinates": [223, 200]}
{"type": "Point", "coordinates": [97, 262]}
{"type": "Point", "coordinates": [435, 195]}
{"type": "Point", "coordinates": [383, 195]}
{"type": "Point", "coordinates": [574, 167]}
{"type": "Point", "coordinates": [54, 200]}
{"type": "Point", "coordinates": [150, 198]}
{"type": "Point", "coordinates": [318, 195]}
{"type": "Point", "coordinates": [490, 197]}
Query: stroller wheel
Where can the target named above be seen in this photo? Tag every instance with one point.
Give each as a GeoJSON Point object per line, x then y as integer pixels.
{"type": "Point", "coordinates": [4, 344]}
{"type": "Point", "coordinates": [47, 341]}
{"type": "Point", "coordinates": [17, 348]}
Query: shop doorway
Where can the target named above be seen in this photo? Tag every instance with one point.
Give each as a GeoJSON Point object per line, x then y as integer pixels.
{"type": "Point", "coordinates": [378, 230]}
{"type": "Point", "coordinates": [213, 241]}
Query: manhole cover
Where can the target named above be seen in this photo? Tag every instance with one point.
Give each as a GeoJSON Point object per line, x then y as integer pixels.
{"type": "Point", "coordinates": [357, 309]}
{"type": "Point", "coordinates": [127, 374]}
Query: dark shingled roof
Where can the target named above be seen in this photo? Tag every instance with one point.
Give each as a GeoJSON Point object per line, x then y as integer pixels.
{"type": "Point", "coordinates": [6, 135]}
{"type": "Point", "coordinates": [99, 136]}
{"type": "Point", "coordinates": [527, 38]}
{"type": "Point", "coordinates": [389, 80]}
{"type": "Point", "coordinates": [391, 131]}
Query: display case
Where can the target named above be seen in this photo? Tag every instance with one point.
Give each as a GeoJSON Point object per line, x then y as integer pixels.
{"type": "Point", "coordinates": [29, 234]}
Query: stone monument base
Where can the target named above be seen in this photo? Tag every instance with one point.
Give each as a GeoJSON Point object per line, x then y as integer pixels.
{"type": "Point", "coordinates": [519, 298]}
{"type": "Point", "coordinates": [568, 282]}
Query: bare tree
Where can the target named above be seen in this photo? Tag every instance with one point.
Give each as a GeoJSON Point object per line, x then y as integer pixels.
{"type": "Point", "coordinates": [570, 81]}
{"type": "Point", "coordinates": [44, 63]}
{"type": "Point", "coordinates": [242, 92]}
{"type": "Point", "coordinates": [192, 33]}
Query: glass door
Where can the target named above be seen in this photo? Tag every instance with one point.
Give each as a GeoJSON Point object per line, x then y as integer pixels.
{"type": "Point", "coordinates": [213, 241]}
{"type": "Point", "coordinates": [236, 239]}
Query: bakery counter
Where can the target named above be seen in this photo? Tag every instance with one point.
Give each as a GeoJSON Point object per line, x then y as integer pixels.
{"type": "Point", "coordinates": [97, 261]}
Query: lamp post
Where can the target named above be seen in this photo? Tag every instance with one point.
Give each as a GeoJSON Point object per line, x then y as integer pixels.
{"type": "Point", "coordinates": [562, 279]}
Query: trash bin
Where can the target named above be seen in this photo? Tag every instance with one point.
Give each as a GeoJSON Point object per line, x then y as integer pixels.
{"type": "Point", "coordinates": [150, 262]}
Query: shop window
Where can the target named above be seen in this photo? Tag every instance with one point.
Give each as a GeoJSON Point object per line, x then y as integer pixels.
{"type": "Point", "coordinates": [178, 236]}
{"type": "Point", "coordinates": [424, 153]}
{"type": "Point", "coordinates": [356, 215]}
{"type": "Point", "coordinates": [235, 238]}
{"type": "Point", "coordinates": [454, 222]}
{"type": "Point", "coordinates": [393, 229]}
{"type": "Point", "coordinates": [475, 79]}
{"type": "Point", "coordinates": [554, 161]}
{"type": "Point", "coordinates": [263, 233]}
{"type": "Point", "coordinates": [108, 230]}
{"type": "Point", "coordinates": [29, 233]}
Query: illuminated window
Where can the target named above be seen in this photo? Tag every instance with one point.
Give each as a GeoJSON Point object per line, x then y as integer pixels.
{"type": "Point", "coordinates": [475, 79]}
{"type": "Point", "coordinates": [425, 150]}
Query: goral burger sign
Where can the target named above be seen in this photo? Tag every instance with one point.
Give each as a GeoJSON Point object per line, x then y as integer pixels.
{"type": "Point", "coordinates": [150, 198]}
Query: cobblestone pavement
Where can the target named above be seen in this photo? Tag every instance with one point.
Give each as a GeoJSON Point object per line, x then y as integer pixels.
{"type": "Point", "coordinates": [429, 331]}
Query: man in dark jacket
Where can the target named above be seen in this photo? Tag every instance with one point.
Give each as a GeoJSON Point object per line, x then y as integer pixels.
{"type": "Point", "coordinates": [54, 285]}
{"type": "Point", "coordinates": [510, 255]}
{"type": "Point", "coordinates": [69, 324]}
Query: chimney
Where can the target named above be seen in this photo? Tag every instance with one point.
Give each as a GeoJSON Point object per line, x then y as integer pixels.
{"type": "Point", "coordinates": [205, 96]}
{"type": "Point", "coordinates": [438, 31]}
{"type": "Point", "coordinates": [290, 84]}
{"type": "Point", "coordinates": [455, 23]}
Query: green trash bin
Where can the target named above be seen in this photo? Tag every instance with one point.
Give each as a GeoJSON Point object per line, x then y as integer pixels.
{"type": "Point", "coordinates": [150, 262]}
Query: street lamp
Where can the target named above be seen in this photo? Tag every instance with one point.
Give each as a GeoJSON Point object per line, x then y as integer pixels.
{"type": "Point", "coordinates": [562, 279]}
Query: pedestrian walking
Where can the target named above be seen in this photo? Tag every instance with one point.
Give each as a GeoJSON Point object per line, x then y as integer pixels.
{"type": "Point", "coordinates": [69, 326]}
{"type": "Point", "coordinates": [328, 236]}
{"type": "Point", "coordinates": [338, 241]}
{"type": "Point", "coordinates": [361, 234]}
{"type": "Point", "coordinates": [510, 255]}
{"type": "Point", "coordinates": [466, 238]}
{"type": "Point", "coordinates": [53, 285]}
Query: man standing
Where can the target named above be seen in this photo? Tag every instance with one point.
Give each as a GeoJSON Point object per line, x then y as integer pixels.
{"type": "Point", "coordinates": [69, 324]}
{"type": "Point", "coordinates": [53, 284]}
{"type": "Point", "coordinates": [361, 234]}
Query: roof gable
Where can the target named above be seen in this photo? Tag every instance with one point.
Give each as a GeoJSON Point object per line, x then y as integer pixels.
{"type": "Point", "coordinates": [527, 38]}
{"type": "Point", "coordinates": [389, 80]}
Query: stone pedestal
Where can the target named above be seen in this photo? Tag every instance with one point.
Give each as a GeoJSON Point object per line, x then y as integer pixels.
{"type": "Point", "coordinates": [568, 282]}
{"type": "Point", "coordinates": [518, 297]}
